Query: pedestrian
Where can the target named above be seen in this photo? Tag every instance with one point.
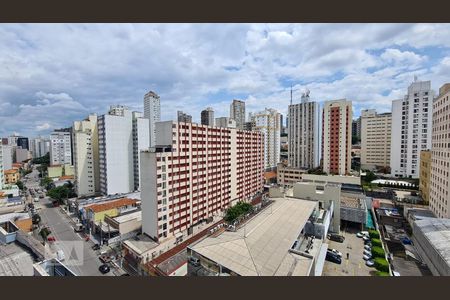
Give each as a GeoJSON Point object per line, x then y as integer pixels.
{"type": "Point", "coordinates": [348, 255]}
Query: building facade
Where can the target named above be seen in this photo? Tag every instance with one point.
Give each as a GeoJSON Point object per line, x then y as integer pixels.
{"type": "Point", "coordinates": [8, 156]}
{"type": "Point", "coordinates": [184, 117]}
{"type": "Point", "coordinates": [375, 139]}
{"type": "Point", "coordinates": [1, 166]}
{"type": "Point", "coordinates": [40, 147]}
{"type": "Point", "coordinates": [141, 141]}
{"type": "Point", "coordinates": [207, 117]}
{"type": "Point", "coordinates": [440, 155]}
{"type": "Point", "coordinates": [425, 173]}
{"type": "Point", "coordinates": [287, 176]}
{"type": "Point", "coordinates": [411, 129]}
{"type": "Point", "coordinates": [268, 123]}
{"type": "Point", "coordinates": [116, 165]}
{"type": "Point", "coordinates": [22, 154]}
{"type": "Point", "coordinates": [356, 128]}
{"type": "Point", "coordinates": [237, 113]}
{"type": "Point", "coordinates": [195, 172]}
{"type": "Point", "coordinates": [304, 129]}
{"type": "Point", "coordinates": [152, 112]}
{"type": "Point", "coordinates": [336, 136]}
{"type": "Point", "coordinates": [61, 147]}
{"type": "Point", "coordinates": [225, 122]}
{"type": "Point", "coordinates": [23, 142]}
{"type": "Point", "coordinates": [86, 156]}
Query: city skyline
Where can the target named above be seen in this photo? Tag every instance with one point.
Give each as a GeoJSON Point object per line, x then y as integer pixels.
{"type": "Point", "coordinates": [45, 74]}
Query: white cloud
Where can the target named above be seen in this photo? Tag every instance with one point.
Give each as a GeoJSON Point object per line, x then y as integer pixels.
{"type": "Point", "coordinates": [43, 126]}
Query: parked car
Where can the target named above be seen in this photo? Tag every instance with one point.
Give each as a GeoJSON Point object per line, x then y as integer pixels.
{"type": "Point", "coordinates": [370, 263]}
{"type": "Point", "coordinates": [368, 243]}
{"type": "Point", "coordinates": [333, 258]}
{"type": "Point", "coordinates": [406, 241]}
{"type": "Point", "coordinates": [368, 247]}
{"type": "Point", "coordinates": [366, 238]}
{"type": "Point", "coordinates": [367, 252]}
{"type": "Point", "coordinates": [334, 251]}
{"type": "Point", "coordinates": [395, 273]}
{"type": "Point", "coordinates": [79, 227]}
{"type": "Point", "coordinates": [194, 261]}
{"type": "Point", "coordinates": [359, 234]}
{"type": "Point", "coordinates": [60, 255]}
{"type": "Point", "coordinates": [367, 257]}
{"type": "Point", "coordinates": [96, 247]}
{"type": "Point", "coordinates": [336, 237]}
{"type": "Point", "coordinates": [104, 269]}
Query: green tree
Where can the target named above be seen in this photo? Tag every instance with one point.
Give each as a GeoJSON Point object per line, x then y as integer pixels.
{"type": "Point", "coordinates": [378, 252]}
{"type": "Point", "coordinates": [234, 212]}
{"type": "Point", "coordinates": [36, 219]}
{"type": "Point", "coordinates": [59, 193]}
{"type": "Point", "coordinates": [374, 234]}
{"type": "Point", "coordinates": [46, 182]}
{"type": "Point", "coordinates": [381, 264]}
{"type": "Point", "coordinates": [20, 185]}
{"type": "Point", "coordinates": [376, 242]}
{"type": "Point", "coordinates": [44, 233]}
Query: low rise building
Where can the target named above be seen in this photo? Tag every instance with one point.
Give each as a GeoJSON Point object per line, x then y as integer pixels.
{"type": "Point", "coordinates": [125, 223]}
{"type": "Point", "coordinates": [287, 176]}
{"type": "Point", "coordinates": [431, 238]}
{"type": "Point", "coordinates": [272, 243]}
{"type": "Point", "coordinates": [12, 176]}
{"type": "Point", "coordinates": [52, 267]}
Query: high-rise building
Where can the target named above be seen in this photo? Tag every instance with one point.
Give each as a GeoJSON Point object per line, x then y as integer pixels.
{"type": "Point", "coordinates": [440, 155]}
{"type": "Point", "coordinates": [40, 147]}
{"type": "Point", "coordinates": [8, 156]}
{"type": "Point", "coordinates": [12, 140]}
{"type": "Point", "coordinates": [21, 154]}
{"type": "Point", "coordinates": [304, 131]}
{"type": "Point", "coordinates": [61, 147]}
{"type": "Point", "coordinates": [411, 129]}
{"type": "Point", "coordinates": [141, 141]}
{"type": "Point", "coordinates": [195, 172]}
{"type": "Point", "coordinates": [356, 129]}
{"type": "Point", "coordinates": [86, 156]}
{"type": "Point", "coordinates": [225, 122]}
{"type": "Point", "coordinates": [121, 134]}
{"type": "Point", "coordinates": [425, 173]}
{"type": "Point", "coordinates": [237, 112]}
{"type": "Point", "coordinates": [207, 117]}
{"type": "Point", "coordinates": [23, 142]}
{"type": "Point", "coordinates": [152, 112]}
{"type": "Point", "coordinates": [375, 139]}
{"type": "Point", "coordinates": [337, 136]}
{"type": "Point", "coordinates": [268, 123]}
{"type": "Point", "coordinates": [183, 117]}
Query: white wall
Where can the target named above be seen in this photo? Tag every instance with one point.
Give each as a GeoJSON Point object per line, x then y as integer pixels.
{"type": "Point", "coordinates": [149, 203]}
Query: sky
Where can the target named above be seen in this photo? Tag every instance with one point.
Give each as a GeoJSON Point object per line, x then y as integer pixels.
{"type": "Point", "coordinates": [54, 74]}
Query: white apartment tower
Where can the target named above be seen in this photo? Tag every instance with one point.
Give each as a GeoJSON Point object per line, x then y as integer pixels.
{"type": "Point", "coordinates": [40, 147]}
{"type": "Point", "coordinates": [61, 147]}
{"type": "Point", "coordinates": [122, 134]}
{"type": "Point", "coordinates": [86, 156]}
{"type": "Point", "coordinates": [237, 112]}
{"type": "Point", "coordinates": [196, 172]}
{"type": "Point", "coordinates": [304, 130]}
{"type": "Point", "coordinates": [375, 139]}
{"type": "Point", "coordinates": [411, 129]}
{"type": "Point", "coordinates": [336, 136]}
{"type": "Point", "coordinates": [268, 123]}
{"type": "Point", "coordinates": [152, 112]}
{"type": "Point", "coordinates": [225, 122]}
{"type": "Point", "coordinates": [440, 155]}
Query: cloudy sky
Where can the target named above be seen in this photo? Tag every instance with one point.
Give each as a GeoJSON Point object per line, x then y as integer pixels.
{"type": "Point", "coordinates": [53, 74]}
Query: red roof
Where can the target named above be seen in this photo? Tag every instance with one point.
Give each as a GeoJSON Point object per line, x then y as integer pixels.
{"type": "Point", "coordinates": [111, 205]}
{"type": "Point", "coordinates": [11, 171]}
{"type": "Point", "coordinates": [66, 177]}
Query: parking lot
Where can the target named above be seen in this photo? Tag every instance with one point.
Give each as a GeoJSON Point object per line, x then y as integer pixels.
{"type": "Point", "coordinates": [355, 265]}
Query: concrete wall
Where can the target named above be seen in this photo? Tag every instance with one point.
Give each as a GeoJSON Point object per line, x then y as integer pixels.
{"type": "Point", "coordinates": [148, 194]}
{"type": "Point", "coordinates": [332, 178]}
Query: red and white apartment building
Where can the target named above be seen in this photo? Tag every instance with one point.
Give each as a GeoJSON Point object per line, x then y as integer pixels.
{"type": "Point", "coordinates": [337, 137]}
{"type": "Point", "coordinates": [195, 172]}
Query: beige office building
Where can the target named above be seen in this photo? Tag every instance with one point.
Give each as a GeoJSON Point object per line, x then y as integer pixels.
{"type": "Point", "coordinates": [375, 139]}
{"type": "Point", "coordinates": [424, 179]}
{"type": "Point", "coordinates": [85, 156]}
{"type": "Point", "coordinates": [440, 155]}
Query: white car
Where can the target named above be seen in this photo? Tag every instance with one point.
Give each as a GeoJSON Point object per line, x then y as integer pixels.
{"type": "Point", "coordinates": [359, 234]}
{"type": "Point", "coordinates": [370, 263]}
{"type": "Point", "coordinates": [367, 257]}
{"type": "Point", "coordinates": [367, 247]}
{"type": "Point", "coordinates": [367, 252]}
{"type": "Point", "coordinates": [366, 238]}
{"type": "Point", "coordinates": [335, 252]}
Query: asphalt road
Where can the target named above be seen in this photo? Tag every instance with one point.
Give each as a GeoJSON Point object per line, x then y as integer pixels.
{"type": "Point", "coordinates": [79, 256]}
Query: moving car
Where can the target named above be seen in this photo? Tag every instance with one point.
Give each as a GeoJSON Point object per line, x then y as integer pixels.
{"type": "Point", "coordinates": [333, 258]}
{"type": "Point", "coordinates": [334, 251]}
{"type": "Point", "coordinates": [370, 263]}
{"type": "Point", "coordinates": [336, 237]}
{"type": "Point", "coordinates": [104, 269]}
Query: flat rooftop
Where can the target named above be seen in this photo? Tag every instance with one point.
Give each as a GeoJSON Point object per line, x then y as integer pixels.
{"type": "Point", "coordinates": [261, 246]}
{"type": "Point", "coordinates": [129, 216]}
{"type": "Point", "coordinates": [437, 231]}
{"type": "Point", "coordinates": [351, 200]}
{"type": "Point", "coordinates": [15, 261]}
{"type": "Point", "coordinates": [141, 244]}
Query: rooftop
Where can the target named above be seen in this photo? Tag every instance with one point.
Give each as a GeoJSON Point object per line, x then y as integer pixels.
{"type": "Point", "coordinates": [129, 216]}
{"type": "Point", "coordinates": [261, 246]}
{"type": "Point", "coordinates": [11, 171]}
{"type": "Point", "coordinates": [353, 200]}
{"type": "Point", "coordinates": [437, 231]}
{"type": "Point", "coordinates": [111, 204]}
{"type": "Point", "coordinates": [141, 244]}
